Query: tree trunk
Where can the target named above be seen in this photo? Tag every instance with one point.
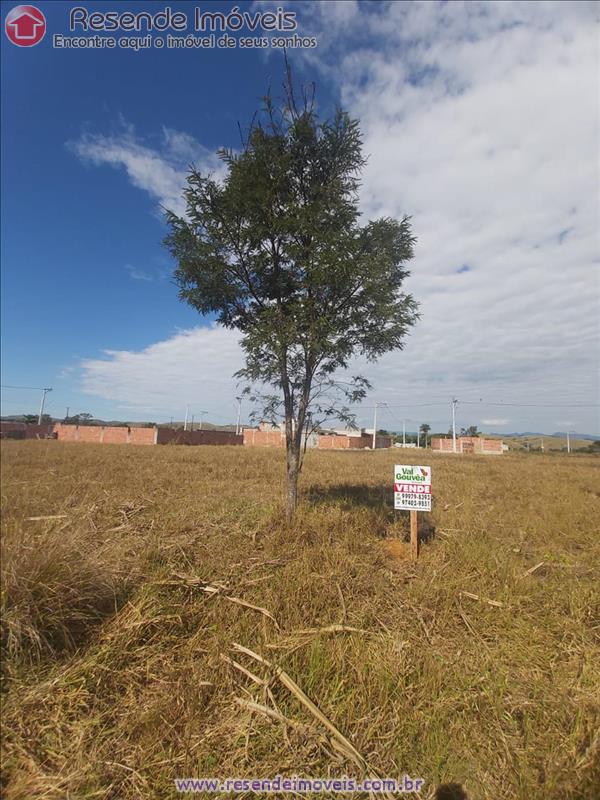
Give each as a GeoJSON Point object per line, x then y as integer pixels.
{"type": "Point", "coordinates": [293, 458]}
{"type": "Point", "coordinates": [294, 427]}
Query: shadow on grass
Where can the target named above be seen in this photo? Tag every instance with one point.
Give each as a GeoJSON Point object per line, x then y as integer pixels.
{"type": "Point", "coordinates": [377, 497]}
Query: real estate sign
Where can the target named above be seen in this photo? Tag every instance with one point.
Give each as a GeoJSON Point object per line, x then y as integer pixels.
{"type": "Point", "coordinates": [412, 488]}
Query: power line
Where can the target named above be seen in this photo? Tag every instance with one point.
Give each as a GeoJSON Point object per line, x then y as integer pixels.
{"type": "Point", "coordinates": [400, 421]}
{"type": "Point", "coordinates": [404, 405]}
{"type": "Point", "coordinates": [33, 388]}
{"type": "Point", "coordinates": [530, 405]}
{"type": "Point", "coordinates": [491, 403]}
{"type": "Point", "coordinates": [43, 389]}
{"type": "Point", "coordinates": [415, 421]}
{"type": "Point", "coordinates": [207, 413]}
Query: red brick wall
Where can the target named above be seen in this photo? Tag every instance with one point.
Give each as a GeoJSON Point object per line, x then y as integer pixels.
{"type": "Point", "coordinates": [480, 445]}
{"type": "Point", "coordinates": [79, 433]}
{"type": "Point", "coordinates": [366, 440]}
{"type": "Point", "coordinates": [76, 433]}
{"type": "Point", "coordinates": [330, 442]}
{"type": "Point", "coordinates": [39, 431]}
{"type": "Point", "coordinates": [104, 434]}
{"type": "Point", "coordinates": [491, 446]}
{"type": "Point", "coordinates": [256, 438]}
{"type": "Point", "coordinates": [142, 435]}
{"type": "Point", "coordinates": [170, 436]}
{"type": "Point", "coordinates": [66, 433]}
{"type": "Point", "coordinates": [12, 427]}
{"type": "Point", "coordinates": [359, 442]}
{"type": "Point", "coordinates": [113, 435]}
{"type": "Point", "coordinates": [27, 431]}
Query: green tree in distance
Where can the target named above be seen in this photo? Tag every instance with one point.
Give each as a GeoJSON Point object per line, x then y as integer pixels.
{"type": "Point", "coordinates": [277, 251]}
{"type": "Point", "coordinates": [33, 419]}
{"type": "Point", "coordinates": [470, 431]}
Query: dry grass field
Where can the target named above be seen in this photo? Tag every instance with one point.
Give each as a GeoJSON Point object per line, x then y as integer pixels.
{"type": "Point", "coordinates": [551, 443]}
{"type": "Point", "coordinates": [121, 617]}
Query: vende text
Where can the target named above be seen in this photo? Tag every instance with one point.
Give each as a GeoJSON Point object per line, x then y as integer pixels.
{"type": "Point", "coordinates": [412, 487]}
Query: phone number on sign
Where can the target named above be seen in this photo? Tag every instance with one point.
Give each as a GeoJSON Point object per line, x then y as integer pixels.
{"type": "Point", "coordinates": [404, 500]}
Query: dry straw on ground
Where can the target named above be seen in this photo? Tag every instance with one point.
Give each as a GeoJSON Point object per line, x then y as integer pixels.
{"type": "Point", "coordinates": [159, 620]}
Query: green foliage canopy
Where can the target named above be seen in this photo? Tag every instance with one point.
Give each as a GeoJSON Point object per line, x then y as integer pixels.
{"type": "Point", "coordinates": [278, 251]}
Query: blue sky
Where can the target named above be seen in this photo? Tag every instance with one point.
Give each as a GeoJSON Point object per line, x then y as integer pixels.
{"type": "Point", "coordinates": [480, 120]}
{"type": "Point", "coordinates": [75, 238]}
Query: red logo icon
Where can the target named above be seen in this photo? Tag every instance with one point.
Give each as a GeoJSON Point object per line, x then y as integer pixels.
{"type": "Point", "coordinates": [25, 26]}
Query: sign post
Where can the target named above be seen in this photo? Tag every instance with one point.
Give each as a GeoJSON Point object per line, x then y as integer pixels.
{"type": "Point", "coordinates": [414, 536]}
{"type": "Point", "coordinates": [412, 492]}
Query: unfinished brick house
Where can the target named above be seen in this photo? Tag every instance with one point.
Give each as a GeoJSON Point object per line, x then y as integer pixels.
{"type": "Point", "coordinates": [267, 435]}
{"type": "Point", "coordinates": [352, 440]}
{"type": "Point", "coordinates": [468, 444]}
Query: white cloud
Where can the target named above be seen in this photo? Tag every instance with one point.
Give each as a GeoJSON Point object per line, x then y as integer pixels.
{"type": "Point", "coordinates": [67, 371]}
{"type": "Point", "coordinates": [481, 121]}
{"type": "Point", "coordinates": [193, 366]}
{"type": "Point", "coordinates": [138, 274]}
{"type": "Point", "coordinates": [160, 171]}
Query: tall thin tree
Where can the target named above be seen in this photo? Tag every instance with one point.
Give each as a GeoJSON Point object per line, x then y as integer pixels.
{"type": "Point", "coordinates": [277, 251]}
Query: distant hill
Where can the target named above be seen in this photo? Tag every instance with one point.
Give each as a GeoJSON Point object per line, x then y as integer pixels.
{"type": "Point", "coordinates": [535, 441]}
{"type": "Point", "coordinates": [589, 436]}
{"type": "Point", "coordinates": [558, 434]}
{"type": "Point", "coordinates": [207, 426]}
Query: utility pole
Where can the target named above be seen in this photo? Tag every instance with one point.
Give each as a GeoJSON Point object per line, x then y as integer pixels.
{"type": "Point", "coordinates": [375, 427]}
{"type": "Point", "coordinates": [171, 422]}
{"type": "Point", "coordinates": [403, 433]}
{"type": "Point", "coordinates": [568, 443]}
{"type": "Point", "coordinates": [542, 444]}
{"type": "Point", "coordinates": [239, 415]}
{"type": "Point", "coordinates": [454, 402]}
{"type": "Point", "coordinates": [44, 393]}
{"type": "Point", "coordinates": [375, 424]}
{"type": "Point", "coordinates": [67, 417]}
{"type": "Point", "coordinates": [201, 413]}
{"type": "Point", "coordinates": [187, 411]}
{"type": "Point", "coordinates": [193, 423]}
